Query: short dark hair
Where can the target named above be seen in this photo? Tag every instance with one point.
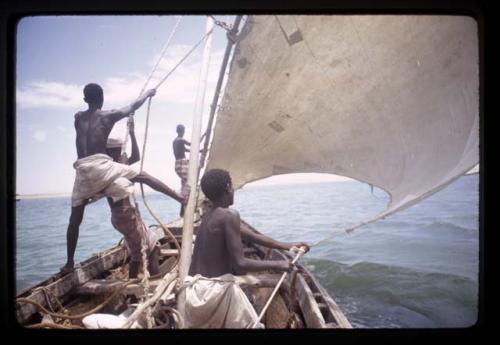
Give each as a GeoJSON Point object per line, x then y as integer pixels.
{"type": "Point", "coordinates": [214, 183]}
{"type": "Point", "coordinates": [179, 128]}
{"type": "Point", "coordinates": [92, 92]}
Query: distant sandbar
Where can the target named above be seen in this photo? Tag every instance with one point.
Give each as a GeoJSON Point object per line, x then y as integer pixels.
{"type": "Point", "coordinates": [43, 196]}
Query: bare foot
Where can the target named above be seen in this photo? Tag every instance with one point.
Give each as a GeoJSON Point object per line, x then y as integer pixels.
{"type": "Point", "coordinates": [67, 268]}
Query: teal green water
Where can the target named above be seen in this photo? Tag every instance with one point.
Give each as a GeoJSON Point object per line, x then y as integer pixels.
{"type": "Point", "coordinates": [417, 268]}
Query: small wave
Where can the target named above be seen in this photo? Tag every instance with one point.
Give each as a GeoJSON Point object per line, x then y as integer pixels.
{"type": "Point", "coordinates": [362, 275]}
{"type": "Point", "coordinates": [406, 297]}
{"type": "Point", "coordinates": [450, 227]}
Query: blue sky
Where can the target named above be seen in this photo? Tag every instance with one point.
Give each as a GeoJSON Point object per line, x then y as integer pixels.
{"type": "Point", "coordinates": [58, 55]}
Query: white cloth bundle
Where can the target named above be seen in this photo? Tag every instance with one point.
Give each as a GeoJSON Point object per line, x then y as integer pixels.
{"type": "Point", "coordinates": [217, 303]}
{"type": "Point", "coordinates": [98, 175]}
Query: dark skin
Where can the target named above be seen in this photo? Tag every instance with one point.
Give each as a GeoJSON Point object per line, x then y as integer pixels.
{"type": "Point", "coordinates": [115, 153]}
{"type": "Point", "coordinates": [94, 125]}
{"type": "Point", "coordinates": [219, 249]}
{"type": "Point", "coordinates": [179, 146]}
{"type": "Point", "coordinates": [92, 130]}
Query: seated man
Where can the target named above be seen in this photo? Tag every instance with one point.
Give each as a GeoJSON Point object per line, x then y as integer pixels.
{"type": "Point", "coordinates": [218, 252]}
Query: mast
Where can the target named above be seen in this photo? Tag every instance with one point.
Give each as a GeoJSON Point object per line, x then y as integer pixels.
{"type": "Point", "coordinates": [230, 42]}
{"type": "Point", "coordinates": [187, 230]}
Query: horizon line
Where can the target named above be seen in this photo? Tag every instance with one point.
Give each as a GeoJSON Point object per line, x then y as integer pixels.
{"type": "Point", "coordinates": [255, 184]}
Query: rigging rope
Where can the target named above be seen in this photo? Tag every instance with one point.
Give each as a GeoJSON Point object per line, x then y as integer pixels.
{"type": "Point", "coordinates": [162, 54]}
{"type": "Point", "coordinates": [346, 231]}
{"type": "Point", "coordinates": [146, 273]}
{"type": "Point", "coordinates": [165, 230]}
{"type": "Point", "coordinates": [164, 49]}
{"type": "Point", "coordinates": [182, 60]}
{"type": "Point", "coordinates": [146, 132]}
{"type": "Point", "coordinates": [145, 282]}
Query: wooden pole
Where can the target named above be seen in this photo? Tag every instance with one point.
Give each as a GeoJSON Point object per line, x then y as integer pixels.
{"type": "Point", "coordinates": [300, 252]}
{"type": "Point", "coordinates": [229, 46]}
{"type": "Point", "coordinates": [187, 230]}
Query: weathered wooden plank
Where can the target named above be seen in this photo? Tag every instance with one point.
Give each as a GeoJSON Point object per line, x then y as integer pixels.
{"type": "Point", "coordinates": [169, 252]}
{"type": "Point", "coordinates": [319, 293]}
{"type": "Point", "coordinates": [257, 281]}
{"type": "Point", "coordinates": [339, 316]}
{"type": "Point", "coordinates": [91, 269]}
{"type": "Point", "coordinates": [277, 314]}
{"type": "Point", "coordinates": [318, 308]}
{"type": "Point", "coordinates": [167, 265]}
{"type": "Point", "coordinates": [138, 289]}
{"type": "Point", "coordinates": [310, 310]}
{"type": "Point", "coordinates": [333, 309]}
{"type": "Point", "coordinates": [322, 306]}
{"type": "Point", "coordinates": [99, 286]}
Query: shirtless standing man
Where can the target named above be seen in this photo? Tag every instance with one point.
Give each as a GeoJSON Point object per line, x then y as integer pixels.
{"type": "Point", "coordinates": [181, 162]}
{"type": "Point", "coordinates": [96, 172]}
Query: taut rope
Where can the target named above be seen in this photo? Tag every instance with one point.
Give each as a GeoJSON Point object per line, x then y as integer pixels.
{"type": "Point", "coordinates": [162, 54]}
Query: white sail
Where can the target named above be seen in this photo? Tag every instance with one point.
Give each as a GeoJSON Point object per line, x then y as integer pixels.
{"type": "Point", "coordinates": [388, 100]}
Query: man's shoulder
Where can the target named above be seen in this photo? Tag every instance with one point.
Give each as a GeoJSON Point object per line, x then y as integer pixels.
{"type": "Point", "coordinates": [228, 213]}
{"type": "Point", "coordinates": [108, 112]}
{"type": "Point", "coordinates": [79, 114]}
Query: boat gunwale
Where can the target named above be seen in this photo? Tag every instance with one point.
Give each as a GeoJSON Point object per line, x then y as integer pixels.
{"type": "Point", "coordinates": [117, 254]}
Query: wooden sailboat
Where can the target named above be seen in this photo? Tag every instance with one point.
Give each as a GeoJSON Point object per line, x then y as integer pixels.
{"type": "Point", "coordinates": [98, 285]}
{"type": "Point", "coordinates": [301, 303]}
{"type": "Point", "coordinates": [410, 148]}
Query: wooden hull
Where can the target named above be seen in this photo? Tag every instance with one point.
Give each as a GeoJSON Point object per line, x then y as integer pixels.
{"type": "Point", "coordinates": [301, 302]}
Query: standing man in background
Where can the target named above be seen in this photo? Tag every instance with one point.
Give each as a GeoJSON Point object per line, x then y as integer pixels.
{"type": "Point", "coordinates": [181, 162]}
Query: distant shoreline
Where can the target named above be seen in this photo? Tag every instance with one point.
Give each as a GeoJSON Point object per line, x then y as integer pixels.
{"type": "Point", "coordinates": [58, 195]}
{"type": "Point", "coordinates": [43, 196]}
{"type": "Point", "coordinates": [249, 186]}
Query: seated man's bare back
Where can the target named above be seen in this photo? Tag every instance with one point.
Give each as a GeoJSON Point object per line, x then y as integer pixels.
{"type": "Point", "coordinates": [219, 248]}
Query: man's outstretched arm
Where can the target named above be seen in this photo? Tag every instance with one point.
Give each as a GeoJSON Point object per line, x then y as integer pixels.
{"type": "Point", "coordinates": [235, 249]}
{"type": "Point", "coordinates": [266, 241]}
{"type": "Point", "coordinates": [116, 115]}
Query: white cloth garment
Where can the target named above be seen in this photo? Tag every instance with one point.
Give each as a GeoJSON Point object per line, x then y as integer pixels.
{"type": "Point", "coordinates": [98, 175]}
{"type": "Point", "coordinates": [109, 321]}
{"type": "Point", "coordinates": [217, 303]}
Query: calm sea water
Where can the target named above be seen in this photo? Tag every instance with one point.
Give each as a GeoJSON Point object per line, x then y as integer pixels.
{"type": "Point", "coordinates": [417, 268]}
